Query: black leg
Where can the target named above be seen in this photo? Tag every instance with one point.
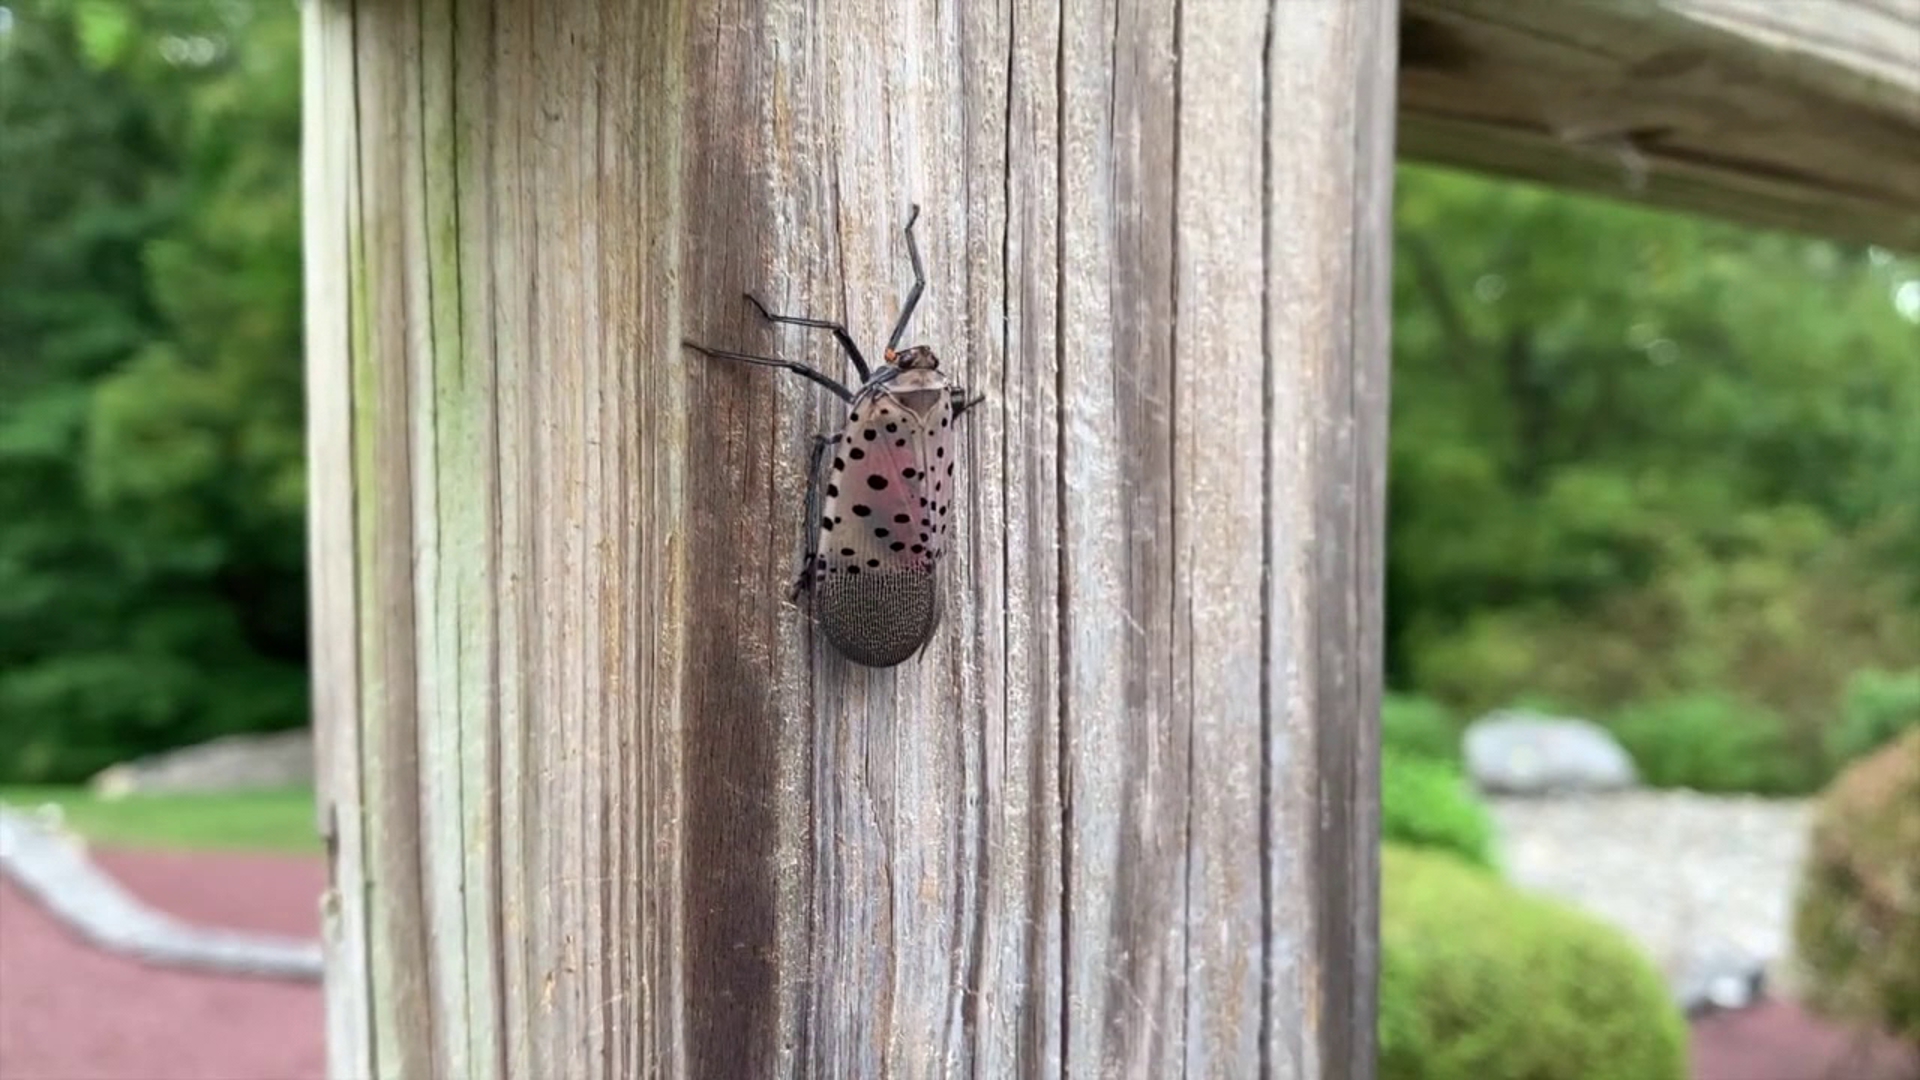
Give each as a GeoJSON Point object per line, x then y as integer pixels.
{"type": "Point", "coordinates": [769, 361]}
{"type": "Point", "coordinates": [839, 332]}
{"type": "Point", "coordinates": [961, 404]}
{"type": "Point", "coordinates": [810, 527]}
{"type": "Point", "coordinates": [919, 283]}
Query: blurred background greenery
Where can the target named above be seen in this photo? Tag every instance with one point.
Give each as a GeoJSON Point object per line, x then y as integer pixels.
{"type": "Point", "coordinates": [1658, 471]}
{"type": "Point", "coordinates": [151, 502]}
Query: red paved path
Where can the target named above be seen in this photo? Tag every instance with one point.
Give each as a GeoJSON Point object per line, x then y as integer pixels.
{"type": "Point", "coordinates": [71, 1012]}
{"type": "Point", "coordinates": [1780, 1041]}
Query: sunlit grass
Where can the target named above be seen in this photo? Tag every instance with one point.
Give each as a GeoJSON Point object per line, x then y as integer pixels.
{"type": "Point", "coordinates": [273, 821]}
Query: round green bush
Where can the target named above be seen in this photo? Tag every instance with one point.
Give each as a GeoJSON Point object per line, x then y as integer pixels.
{"type": "Point", "coordinates": [1427, 804]}
{"type": "Point", "coordinates": [1857, 916]}
{"type": "Point", "coordinates": [1480, 981]}
{"type": "Point", "coordinates": [1715, 743]}
{"type": "Point", "coordinates": [1878, 707]}
{"type": "Point", "coordinates": [1419, 725]}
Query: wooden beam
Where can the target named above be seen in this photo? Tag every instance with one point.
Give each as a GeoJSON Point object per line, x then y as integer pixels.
{"type": "Point", "coordinates": [603, 804]}
{"type": "Point", "coordinates": [1795, 114]}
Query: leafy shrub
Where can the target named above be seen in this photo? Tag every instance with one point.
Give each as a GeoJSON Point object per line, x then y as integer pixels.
{"type": "Point", "coordinates": [1857, 917]}
{"type": "Point", "coordinates": [1426, 803]}
{"type": "Point", "coordinates": [152, 586]}
{"type": "Point", "coordinates": [1419, 725]}
{"type": "Point", "coordinates": [77, 713]}
{"type": "Point", "coordinates": [1766, 607]}
{"type": "Point", "coordinates": [1877, 708]}
{"type": "Point", "coordinates": [1711, 742]}
{"type": "Point", "coordinates": [1480, 981]}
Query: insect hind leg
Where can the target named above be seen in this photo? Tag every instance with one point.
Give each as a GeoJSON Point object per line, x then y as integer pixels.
{"type": "Point", "coordinates": [919, 282]}
{"type": "Point", "coordinates": [810, 526]}
{"type": "Point", "coordinates": [839, 333]}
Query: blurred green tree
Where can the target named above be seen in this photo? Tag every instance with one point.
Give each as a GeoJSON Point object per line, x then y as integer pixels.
{"type": "Point", "coordinates": [150, 433]}
{"type": "Point", "coordinates": [1638, 455]}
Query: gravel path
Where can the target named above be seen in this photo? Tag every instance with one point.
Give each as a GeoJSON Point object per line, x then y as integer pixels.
{"type": "Point", "coordinates": [1705, 884]}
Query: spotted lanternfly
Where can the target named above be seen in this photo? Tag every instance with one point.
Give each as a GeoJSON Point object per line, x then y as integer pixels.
{"type": "Point", "coordinates": [874, 542]}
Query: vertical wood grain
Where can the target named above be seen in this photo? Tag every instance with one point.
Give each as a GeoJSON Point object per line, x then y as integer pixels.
{"type": "Point", "coordinates": [385, 285]}
{"type": "Point", "coordinates": [609, 807]}
{"type": "Point", "coordinates": [329, 134]}
{"type": "Point", "coordinates": [1330, 147]}
{"type": "Point", "coordinates": [1224, 374]}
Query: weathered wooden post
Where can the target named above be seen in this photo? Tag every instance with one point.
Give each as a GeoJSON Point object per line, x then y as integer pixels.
{"type": "Point", "coordinates": [600, 804]}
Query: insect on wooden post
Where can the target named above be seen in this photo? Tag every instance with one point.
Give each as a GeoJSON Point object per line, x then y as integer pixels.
{"type": "Point", "coordinates": [874, 542]}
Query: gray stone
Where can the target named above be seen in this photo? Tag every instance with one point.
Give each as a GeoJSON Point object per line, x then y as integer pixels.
{"type": "Point", "coordinates": [280, 759]}
{"type": "Point", "coordinates": [1520, 753]}
{"type": "Point", "coordinates": [1721, 982]}
{"type": "Point", "coordinates": [53, 870]}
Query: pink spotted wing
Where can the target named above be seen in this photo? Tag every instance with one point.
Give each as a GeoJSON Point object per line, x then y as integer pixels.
{"type": "Point", "coordinates": [888, 487]}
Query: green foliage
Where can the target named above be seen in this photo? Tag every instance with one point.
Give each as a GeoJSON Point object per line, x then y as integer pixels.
{"type": "Point", "coordinates": [1857, 917]}
{"type": "Point", "coordinates": [1709, 742]}
{"type": "Point", "coordinates": [1879, 706]}
{"type": "Point", "coordinates": [1480, 981]}
{"type": "Point", "coordinates": [151, 547]}
{"type": "Point", "coordinates": [1637, 456]}
{"type": "Point", "coordinates": [1426, 803]}
{"type": "Point", "coordinates": [1419, 726]}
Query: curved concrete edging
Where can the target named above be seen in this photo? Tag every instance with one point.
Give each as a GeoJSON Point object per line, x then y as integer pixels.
{"type": "Point", "coordinates": [57, 873]}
